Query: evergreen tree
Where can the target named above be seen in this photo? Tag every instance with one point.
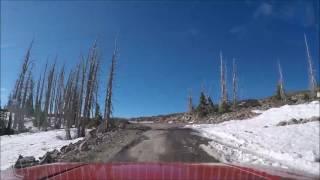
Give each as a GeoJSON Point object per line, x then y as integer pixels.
{"type": "Point", "coordinates": [211, 108]}
{"type": "Point", "coordinates": [202, 107]}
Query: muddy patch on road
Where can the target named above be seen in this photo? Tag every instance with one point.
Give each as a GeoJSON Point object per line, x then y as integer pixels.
{"type": "Point", "coordinates": [165, 145]}
{"type": "Point", "coordinates": [184, 146]}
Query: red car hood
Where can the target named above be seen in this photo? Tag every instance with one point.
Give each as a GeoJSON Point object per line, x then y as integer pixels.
{"type": "Point", "coordinates": [145, 171]}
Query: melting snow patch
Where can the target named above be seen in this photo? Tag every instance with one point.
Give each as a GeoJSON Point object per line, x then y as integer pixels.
{"type": "Point", "coordinates": [259, 140]}
{"type": "Point", "coordinates": [32, 144]}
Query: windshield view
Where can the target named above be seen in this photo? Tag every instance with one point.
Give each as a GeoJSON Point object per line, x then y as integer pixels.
{"type": "Point", "coordinates": [160, 89]}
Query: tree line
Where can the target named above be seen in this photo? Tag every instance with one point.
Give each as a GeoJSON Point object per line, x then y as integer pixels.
{"type": "Point", "coordinates": [225, 104]}
{"type": "Point", "coordinates": [60, 99]}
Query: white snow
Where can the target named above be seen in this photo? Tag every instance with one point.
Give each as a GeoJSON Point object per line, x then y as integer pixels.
{"type": "Point", "coordinates": [29, 125]}
{"type": "Point", "coordinates": [258, 111]}
{"type": "Point", "coordinates": [31, 144]}
{"type": "Point", "coordinates": [259, 141]}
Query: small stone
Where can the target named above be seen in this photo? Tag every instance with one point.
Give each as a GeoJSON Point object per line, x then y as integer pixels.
{"type": "Point", "coordinates": [27, 161]}
{"type": "Point", "coordinates": [84, 146]}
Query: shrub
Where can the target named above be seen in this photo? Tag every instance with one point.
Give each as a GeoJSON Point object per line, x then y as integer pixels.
{"type": "Point", "coordinates": [224, 107]}
{"type": "Point", "coordinates": [306, 96]}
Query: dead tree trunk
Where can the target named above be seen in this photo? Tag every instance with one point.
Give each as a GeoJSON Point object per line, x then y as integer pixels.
{"type": "Point", "coordinates": [17, 105]}
{"type": "Point", "coordinates": [108, 99]}
{"type": "Point", "coordinates": [93, 67]}
{"type": "Point", "coordinates": [59, 100]}
{"type": "Point", "coordinates": [84, 72]}
{"type": "Point", "coordinates": [224, 95]}
{"type": "Point", "coordinates": [68, 104]}
{"type": "Point", "coordinates": [280, 83]}
{"type": "Point", "coordinates": [234, 84]}
{"type": "Point", "coordinates": [190, 103]}
{"type": "Point", "coordinates": [53, 96]}
{"type": "Point", "coordinates": [48, 96]}
{"type": "Point", "coordinates": [8, 128]}
{"type": "Point", "coordinates": [312, 78]}
{"type": "Point", "coordinates": [30, 98]}
{"type": "Point", "coordinates": [75, 99]}
{"type": "Point", "coordinates": [39, 115]}
{"type": "Point", "coordinates": [37, 108]}
{"type": "Point", "coordinates": [23, 107]}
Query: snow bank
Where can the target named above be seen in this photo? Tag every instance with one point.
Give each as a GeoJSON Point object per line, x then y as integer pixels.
{"type": "Point", "coordinates": [31, 144]}
{"type": "Point", "coordinates": [259, 141]}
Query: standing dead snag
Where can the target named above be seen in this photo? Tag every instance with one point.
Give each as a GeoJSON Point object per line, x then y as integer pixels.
{"type": "Point", "coordinates": [37, 107]}
{"type": "Point", "coordinates": [23, 106]}
{"type": "Point", "coordinates": [75, 99]}
{"type": "Point", "coordinates": [68, 105]}
{"type": "Point", "coordinates": [312, 78]}
{"type": "Point", "coordinates": [39, 114]}
{"type": "Point", "coordinates": [108, 99]}
{"type": "Point", "coordinates": [53, 96]}
{"type": "Point", "coordinates": [280, 88]}
{"type": "Point", "coordinates": [84, 72]}
{"type": "Point", "coordinates": [234, 84]}
{"type": "Point", "coordinates": [18, 93]}
{"type": "Point", "coordinates": [190, 103]}
{"type": "Point", "coordinates": [223, 85]}
{"type": "Point", "coordinates": [59, 100]}
{"type": "Point", "coordinates": [48, 96]}
{"type": "Point", "coordinates": [91, 81]}
{"type": "Point", "coordinates": [30, 98]}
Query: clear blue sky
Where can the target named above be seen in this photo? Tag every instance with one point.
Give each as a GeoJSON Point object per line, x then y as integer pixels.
{"type": "Point", "coordinates": [166, 48]}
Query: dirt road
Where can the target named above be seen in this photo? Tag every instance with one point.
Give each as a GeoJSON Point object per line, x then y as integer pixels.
{"type": "Point", "coordinates": [165, 144]}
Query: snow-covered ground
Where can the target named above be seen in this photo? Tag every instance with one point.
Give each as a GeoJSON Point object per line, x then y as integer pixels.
{"type": "Point", "coordinates": [259, 141]}
{"type": "Point", "coordinates": [29, 125]}
{"type": "Point", "coordinates": [32, 144]}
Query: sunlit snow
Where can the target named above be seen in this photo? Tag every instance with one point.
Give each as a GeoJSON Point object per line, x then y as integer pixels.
{"type": "Point", "coordinates": [31, 144]}
{"type": "Point", "coordinates": [259, 141]}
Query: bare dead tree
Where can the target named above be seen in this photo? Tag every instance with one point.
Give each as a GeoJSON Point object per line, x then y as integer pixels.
{"type": "Point", "coordinates": [38, 89]}
{"type": "Point", "coordinates": [225, 95]}
{"type": "Point", "coordinates": [25, 67]}
{"type": "Point", "coordinates": [48, 96]}
{"type": "Point", "coordinates": [23, 105]}
{"type": "Point", "coordinates": [30, 98]}
{"type": "Point", "coordinates": [91, 80]}
{"type": "Point", "coordinates": [53, 95]}
{"type": "Point", "coordinates": [223, 86]}
{"type": "Point", "coordinates": [234, 83]}
{"type": "Point", "coordinates": [17, 96]}
{"type": "Point", "coordinates": [95, 88]}
{"type": "Point", "coordinates": [190, 103]}
{"type": "Point", "coordinates": [75, 99]}
{"type": "Point", "coordinates": [82, 85]}
{"type": "Point", "coordinates": [59, 100]}
{"type": "Point", "coordinates": [39, 111]}
{"type": "Point", "coordinates": [222, 80]}
{"type": "Point", "coordinates": [97, 113]}
{"type": "Point", "coordinates": [311, 73]}
{"type": "Point", "coordinates": [280, 83]}
{"type": "Point", "coordinates": [37, 108]}
{"type": "Point", "coordinates": [108, 99]}
{"type": "Point", "coordinates": [68, 109]}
